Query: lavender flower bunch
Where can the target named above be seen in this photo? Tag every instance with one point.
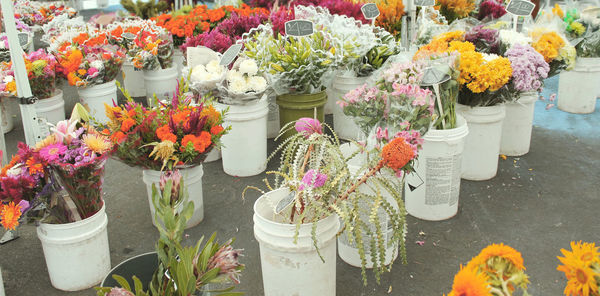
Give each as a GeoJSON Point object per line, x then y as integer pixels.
{"type": "Point", "coordinates": [529, 69]}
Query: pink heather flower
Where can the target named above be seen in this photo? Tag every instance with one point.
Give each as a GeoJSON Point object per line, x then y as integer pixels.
{"type": "Point", "coordinates": [226, 259]}
{"type": "Point", "coordinates": [53, 152]}
{"type": "Point", "coordinates": [308, 126]}
{"type": "Point", "coordinates": [65, 131]}
{"type": "Point", "coordinates": [307, 180]}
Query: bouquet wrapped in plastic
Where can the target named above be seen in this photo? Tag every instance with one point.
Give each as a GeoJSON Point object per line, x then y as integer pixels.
{"type": "Point", "coordinates": [41, 68]}
{"type": "Point", "coordinates": [151, 48]}
{"type": "Point", "coordinates": [243, 84]}
{"type": "Point", "coordinates": [204, 69]}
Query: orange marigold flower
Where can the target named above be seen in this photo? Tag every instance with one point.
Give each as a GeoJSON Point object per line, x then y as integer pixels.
{"type": "Point", "coordinates": [397, 153]}
{"type": "Point", "coordinates": [9, 215]}
{"type": "Point", "coordinates": [164, 134]}
{"type": "Point", "coordinates": [118, 137]}
{"type": "Point", "coordinates": [181, 116]}
{"type": "Point", "coordinates": [217, 129]}
{"type": "Point", "coordinates": [127, 124]}
{"type": "Point", "coordinates": [498, 250]}
{"type": "Point", "coordinates": [468, 282]}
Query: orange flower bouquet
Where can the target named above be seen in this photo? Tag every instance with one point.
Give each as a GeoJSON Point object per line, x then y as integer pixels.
{"type": "Point", "coordinates": [555, 48]}
{"type": "Point", "coordinates": [581, 266]}
{"type": "Point", "coordinates": [174, 135]}
{"type": "Point", "coordinates": [150, 48]}
{"type": "Point", "coordinates": [497, 270]}
{"type": "Point", "coordinates": [86, 58]}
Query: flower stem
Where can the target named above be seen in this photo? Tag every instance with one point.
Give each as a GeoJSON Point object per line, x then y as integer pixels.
{"type": "Point", "coordinates": [361, 181]}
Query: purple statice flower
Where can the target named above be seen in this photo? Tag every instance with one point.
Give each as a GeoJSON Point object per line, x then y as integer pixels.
{"type": "Point", "coordinates": [485, 40]}
{"type": "Point", "coordinates": [529, 68]}
{"type": "Point", "coordinates": [491, 9]}
{"type": "Point", "coordinates": [308, 126]}
{"type": "Point", "coordinates": [307, 180]}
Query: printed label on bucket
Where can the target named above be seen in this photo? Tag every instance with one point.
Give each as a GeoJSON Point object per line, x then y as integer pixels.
{"type": "Point", "coordinates": [443, 180]}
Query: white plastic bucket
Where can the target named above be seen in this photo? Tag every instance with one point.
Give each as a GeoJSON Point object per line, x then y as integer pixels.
{"type": "Point", "coordinates": [178, 60]}
{"type": "Point", "coordinates": [215, 154]}
{"type": "Point", "coordinates": [161, 82]}
{"type": "Point", "coordinates": [289, 268]}
{"type": "Point", "coordinates": [482, 145]}
{"type": "Point", "coordinates": [516, 131]}
{"type": "Point", "coordinates": [431, 192]}
{"type": "Point", "coordinates": [8, 122]}
{"type": "Point", "coordinates": [343, 125]}
{"type": "Point", "coordinates": [244, 149]}
{"type": "Point", "coordinates": [578, 88]}
{"type": "Point", "coordinates": [133, 80]}
{"type": "Point", "coordinates": [347, 250]}
{"type": "Point", "coordinates": [52, 108]}
{"type": "Point", "coordinates": [273, 118]}
{"type": "Point", "coordinates": [192, 180]}
{"type": "Point", "coordinates": [77, 254]}
{"type": "Point", "coordinates": [94, 97]}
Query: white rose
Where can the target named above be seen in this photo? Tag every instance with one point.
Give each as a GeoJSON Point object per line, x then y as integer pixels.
{"type": "Point", "coordinates": [8, 79]}
{"type": "Point", "coordinates": [233, 74]}
{"type": "Point", "coordinates": [214, 67]}
{"type": "Point", "coordinates": [198, 72]}
{"type": "Point", "coordinates": [257, 83]}
{"type": "Point", "coordinates": [204, 76]}
{"type": "Point", "coordinates": [238, 85]}
{"type": "Point", "coordinates": [249, 67]}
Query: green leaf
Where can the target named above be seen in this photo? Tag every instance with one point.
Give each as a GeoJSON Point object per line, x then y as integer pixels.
{"type": "Point", "coordinates": [122, 281]}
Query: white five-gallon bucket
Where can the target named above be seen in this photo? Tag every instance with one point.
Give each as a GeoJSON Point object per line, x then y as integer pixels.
{"type": "Point", "coordinates": [52, 108]}
{"type": "Point", "coordinates": [178, 60]}
{"type": "Point", "coordinates": [215, 154]}
{"type": "Point", "coordinates": [95, 96]}
{"type": "Point", "coordinates": [516, 131]}
{"type": "Point", "coordinates": [8, 122]}
{"type": "Point", "coordinates": [273, 118]}
{"type": "Point", "coordinates": [347, 250]}
{"type": "Point", "coordinates": [289, 268]}
{"type": "Point", "coordinates": [578, 88]}
{"type": "Point", "coordinates": [77, 254]}
{"type": "Point", "coordinates": [192, 180]}
{"type": "Point", "coordinates": [161, 82]}
{"type": "Point", "coordinates": [431, 192]}
{"type": "Point", "coordinates": [343, 125]}
{"type": "Point", "coordinates": [244, 149]}
{"type": "Point", "coordinates": [133, 80]}
{"type": "Point", "coordinates": [482, 145]}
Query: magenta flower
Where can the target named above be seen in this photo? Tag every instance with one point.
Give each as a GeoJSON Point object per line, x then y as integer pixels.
{"type": "Point", "coordinates": [307, 180]}
{"type": "Point", "coordinates": [52, 152]}
{"type": "Point", "coordinates": [308, 126]}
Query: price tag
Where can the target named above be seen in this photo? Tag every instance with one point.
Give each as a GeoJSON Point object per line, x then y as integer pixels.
{"type": "Point", "coordinates": [23, 39]}
{"type": "Point", "coordinates": [520, 7]}
{"type": "Point", "coordinates": [434, 76]}
{"type": "Point", "coordinates": [424, 2]}
{"type": "Point", "coordinates": [230, 55]}
{"type": "Point", "coordinates": [285, 202]}
{"type": "Point", "coordinates": [299, 28]}
{"type": "Point", "coordinates": [370, 11]}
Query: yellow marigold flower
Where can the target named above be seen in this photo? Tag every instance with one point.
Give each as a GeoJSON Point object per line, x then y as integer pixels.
{"type": "Point", "coordinates": [469, 282]}
{"type": "Point", "coordinates": [9, 215]}
{"type": "Point", "coordinates": [97, 143]}
{"type": "Point", "coordinates": [578, 28]}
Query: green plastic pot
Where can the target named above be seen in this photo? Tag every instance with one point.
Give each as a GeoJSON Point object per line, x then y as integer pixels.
{"type": "Point", "coordinates": [295, 106]}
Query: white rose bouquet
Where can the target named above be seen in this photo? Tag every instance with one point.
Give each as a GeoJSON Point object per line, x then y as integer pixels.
{"type": "Point", "coordinates": [242, 84]}
{"type": "Point", "coordinates": [204, 68]}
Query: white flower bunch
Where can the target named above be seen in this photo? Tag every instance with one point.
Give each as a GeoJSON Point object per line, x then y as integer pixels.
{"type": "Point", "coordinates": [510, 38]}
{"type": "Point", "coordinates": [244, 78]}
{"type": "Point", "coordinates": [208, 72]}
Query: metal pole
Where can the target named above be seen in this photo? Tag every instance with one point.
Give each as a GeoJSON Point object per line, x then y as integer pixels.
{"type": "Point", "coordinates": [1, 284]}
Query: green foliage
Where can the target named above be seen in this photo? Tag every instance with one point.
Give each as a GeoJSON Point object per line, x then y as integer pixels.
{"type": "Point", "coordinates": [145, 10]}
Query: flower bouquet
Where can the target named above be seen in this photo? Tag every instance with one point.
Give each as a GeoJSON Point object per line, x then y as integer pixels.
{"type": "Point", "coordinates": [72, 159]}
{"type": "Point", "coordinates": [179, 133]}
{"type": "Point", "coordinates": [40, 13]}
{"type": "Point", "coordinates": [497, 270]}
{"type": "Point", "coordinates": [582, 27]}
{"type": "Point", "coordinates": [316, 172]}
{"type": "Point", "coordinates": [182, 270]}
{"type": "Point", "coordinates": [529, 69]}
{"type": "Point", "coordinates": [40, 70]}
{"type": "Point", "coordinates": [205, 70]}
{"type": "Point", "coordinates": [555, 48]}
{"type": "Point", "coordinates": [491, 10]}
{"type": "Point", "coordinates": [243, 84]}
{"type": "Point", "coordinates": [581, 267]}
{"type": "Point", "coordinates": [390, 18]}
{"type": "Point", "coordinates": [455, 9]}
{"type": "Point", "coordinates": [152, 48]}
{"type": "Point", "coordinates": [86, 59]}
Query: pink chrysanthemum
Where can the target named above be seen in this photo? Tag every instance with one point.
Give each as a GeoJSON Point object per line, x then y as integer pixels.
{"type": "Point", "coordinates": [53, 152]}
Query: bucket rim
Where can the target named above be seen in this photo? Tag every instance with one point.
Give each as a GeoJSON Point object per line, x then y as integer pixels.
{"type": "Point", "coordinates": [75, 224]}
{"type": "Point", "coordinates": [125, 261]}
{"type": "Point", "coordinates": [460, 131]}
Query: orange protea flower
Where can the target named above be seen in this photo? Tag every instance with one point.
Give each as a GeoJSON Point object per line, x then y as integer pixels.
{"type": "Point", "coordinates": [580, 276]}
{"type": "Point", "coordinates": [34, 166]}
{"type": "Point", "coordinates": [127, 124]}
{"type": "Point", "coordinates": [469, 282]}
{"type": "Point", "coordinates": [9, 215]}
{"type": "Point", "coordinates": [497, 250]}
{"type": "Point", "coordinates": [164, 134]}
{"type": "Point", "coordinates": [397, 153]}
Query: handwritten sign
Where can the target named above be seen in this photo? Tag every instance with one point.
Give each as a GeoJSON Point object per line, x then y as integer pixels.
{"type": "Point", "coordinates": [285, 202]}
{"type": "Point", "coordinates": [520, 7]}
{"type": "Point", "coordinates": [370, 11]}
{"type": "Point", "coordinates": [230, 55]}
{"type": "Point", "coordinates": [424, 2]}
{"type": "Point", "coordinates": [299, 28]}
{"type": "Point", "coordinates": [23, 39]}
{"type": "Point", "coordinates": [434, 76]}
